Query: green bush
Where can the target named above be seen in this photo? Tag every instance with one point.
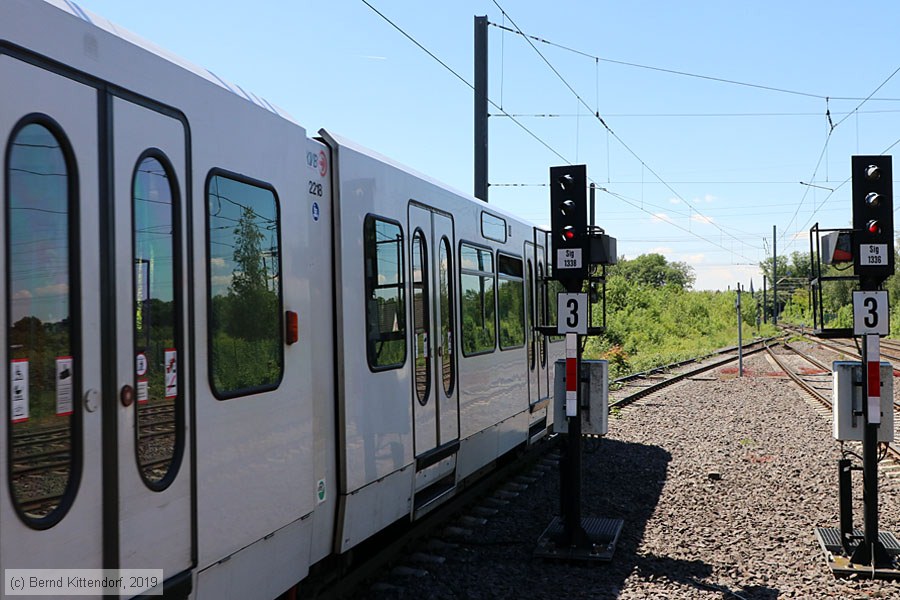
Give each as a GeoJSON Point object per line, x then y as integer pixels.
{"type": "Point", "coordinates": [649, 326]}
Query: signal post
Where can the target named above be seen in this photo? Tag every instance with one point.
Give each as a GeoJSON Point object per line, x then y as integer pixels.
{"type": "Point", "coordinates": [863, 402]}
{"type": "Point", "coordinates": [581, 387]}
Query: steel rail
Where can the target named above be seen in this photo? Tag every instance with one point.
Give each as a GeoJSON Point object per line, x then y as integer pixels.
{"type": "Point", "coordinates": [680, 376]}
{"type": "Point", "coordinates": [826, 402]}
{"type": "Point", "coordinates": [676, 365]}
{"type": "Point", "coordinates": [890, 451]}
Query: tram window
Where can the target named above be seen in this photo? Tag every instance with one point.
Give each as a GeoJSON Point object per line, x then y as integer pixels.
{"type": "Point", "coordinates": [43, 326]}
{"type": "Point", "coordinates": [493, 227]}
{"type": "Point", "coordinates": [157, 336]}
{"type": "Point", "coordinates": [476, 282]}
{"type": "Point", "coordinates": [245, 327]}
{"type": "Point", "coordinates": [421, 313]}
{"type": "Point", "coordinates": [448, 356]}
{"type": "Point", "coordinates": [385, 301]}
{"type": "Point", "coordinates": [510, 302]}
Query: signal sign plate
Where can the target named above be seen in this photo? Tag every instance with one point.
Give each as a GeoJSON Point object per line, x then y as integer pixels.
{"type": "Point", "coordinates": [870, 313]}
{"type": "Point", "coordinates": [571, 313]}
{"type": "Point", "coordinates": [568, 258]}
{"type": "Point", "coordinates": [873, 255]}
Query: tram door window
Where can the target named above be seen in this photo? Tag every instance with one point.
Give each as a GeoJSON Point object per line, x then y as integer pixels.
{"type": "Point", "coordinates": [447, 354]}
{"type": "Point", "coordinates": [42, 326]}
{"type": "Point", "coordinates": [421, 321]}
{"type": "Point", "coordinates": [156, 306]}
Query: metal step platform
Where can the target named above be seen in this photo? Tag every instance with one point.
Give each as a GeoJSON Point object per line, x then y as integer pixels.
{"type": "Point", "coordinates": [602, 534]}
{"type": "Point", "coordinates": [839, 562]}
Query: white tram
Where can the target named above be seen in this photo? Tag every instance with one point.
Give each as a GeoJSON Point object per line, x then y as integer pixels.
{"type": "Point", "coordinates": [234, 350]}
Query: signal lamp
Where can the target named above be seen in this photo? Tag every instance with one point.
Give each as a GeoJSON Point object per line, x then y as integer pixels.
{"type": "Point", "coordinates": [873, 220]}
{"type": "Point", "coordinates": [873, 227]}
{"type": "Point", "coordinates": [568, 220]}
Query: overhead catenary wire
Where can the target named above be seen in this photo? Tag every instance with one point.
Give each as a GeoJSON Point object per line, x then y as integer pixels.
{"type": "Point", "coordinates": [550, 148]}
{"type": "Point", "coordinates": [832, 125]}
{"type": "Point", "coordinates": [819, 162]}
{"type": "Point", "coordinates": [462, 79]}
{"type": "Point", "coordinates": [603, 123]}
{"type": "Point", "coordinates": [636, 204]}
{"type": "Point", "coordinates": [684, 73]}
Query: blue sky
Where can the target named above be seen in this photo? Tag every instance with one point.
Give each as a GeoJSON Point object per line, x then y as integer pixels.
{"type": "Point", "coordinates": [697, 169]}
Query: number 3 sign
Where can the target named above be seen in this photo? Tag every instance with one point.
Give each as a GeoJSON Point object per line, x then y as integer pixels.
{"type": "Point", "coordinates": [870, 313]}
{"type": "Point", "coordinates": [571, 313]}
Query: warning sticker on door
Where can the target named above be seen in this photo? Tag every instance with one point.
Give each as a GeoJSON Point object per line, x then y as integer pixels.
{"type": "Point", "coordinates": [63, 385]}
{"type": "Point", "coordinates": [18, 374]}
{"type": "Point", "coordinates": [171, 373]}
{"type": "Point", "coordinates": [140, 364]}
{"type": "Point", "coordinates": [143, 391]}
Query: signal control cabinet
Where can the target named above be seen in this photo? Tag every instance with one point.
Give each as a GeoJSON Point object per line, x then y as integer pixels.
{"type": "Point", "coordinates": [847, 402]}
{"type": "Point", "coordinates": [594, 397]}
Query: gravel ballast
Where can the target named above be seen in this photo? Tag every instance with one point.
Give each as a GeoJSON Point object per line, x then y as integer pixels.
{"type": "Point", "coordinates": [720, 481]}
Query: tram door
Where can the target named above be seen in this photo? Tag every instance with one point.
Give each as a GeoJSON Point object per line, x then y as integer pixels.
{"type": "Point", "coordinates": [543, 371]}
{"type": "Point", "coordinates": [537, 370]}
{"type": "Point", "coordinates": [150, 184]}
{"type": "Point", "coordinates": [435, 399]}
{"type": "Point", "coordinates": [51, 462]}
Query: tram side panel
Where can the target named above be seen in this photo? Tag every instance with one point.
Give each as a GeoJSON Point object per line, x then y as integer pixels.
{"type": "Point", "coordinates": [375, 437]}
{"type": "Point", "coordinates": [253, 230]}
{"type": "Point", "coordinates": [317, 325]}
{"type": "Point", "coordinates": [375, 346]}
{"type": "Point", "coordinates": [494, 415]}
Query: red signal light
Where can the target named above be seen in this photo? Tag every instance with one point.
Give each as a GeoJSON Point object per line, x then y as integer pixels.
{"type": "Point", "coordinates": [874, 227]}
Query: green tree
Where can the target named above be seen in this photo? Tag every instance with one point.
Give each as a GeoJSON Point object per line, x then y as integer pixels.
{"type": "Point", "coordinates": [655, 271]}
{"type": "Point", "coordinates": [252, 305]}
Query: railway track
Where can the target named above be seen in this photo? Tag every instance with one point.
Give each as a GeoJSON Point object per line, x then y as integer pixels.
{"type": "Point", "coordinates": [824, 400]}
{"type": "Point", "coordinates": [638, 385]}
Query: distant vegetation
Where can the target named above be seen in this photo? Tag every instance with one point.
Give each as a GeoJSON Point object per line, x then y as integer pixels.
{"type": "Point", "coordinates": [794, 297]}
{"type": "Point", "coordinates": [654, 318]}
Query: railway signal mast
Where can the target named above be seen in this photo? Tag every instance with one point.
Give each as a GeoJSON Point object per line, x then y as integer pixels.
{"type": "Point", "coordinates": [581, 388]}
{"type": "Point", "coordinates": [863, 402]}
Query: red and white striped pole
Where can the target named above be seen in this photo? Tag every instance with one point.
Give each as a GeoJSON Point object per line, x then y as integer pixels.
{"type": "Point", "coordinates": [873, 377]}
{"type": "Point", "coordinates": [571, 374]}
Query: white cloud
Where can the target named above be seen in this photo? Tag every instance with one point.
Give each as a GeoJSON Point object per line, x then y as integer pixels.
{"type": "Point", "coordinates": [693, 259]}
{"type": "Point", "coordinates": [665, 251]}
{"type": "Point", "coordinates": [698, 218]}
{"type": "Point", "coordinates": [709, 198]}
{"type": "Point", "coordinates": [217, 262]}
{"type": "Point", "coordinates": [661, 217]}
{"type": "Point", "coordinates": [22, 295]}
{"type": "Point", "coordinates": [721, 277]}
{"type": "Point", "coordinates": [674, 200]}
